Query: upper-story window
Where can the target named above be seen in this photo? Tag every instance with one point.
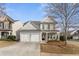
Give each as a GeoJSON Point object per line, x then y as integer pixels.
{"type": "Point", "coordinates": [44, 26]}
{"type": "Point", "coordinates": [47, 27]}
{"type": "Point", "coordinates": [10, 26]}
{"type": "Point", "coordinates": [6, 25]}
{"type": "Point", "coordinates": [52, 27]}
{"type": "Point", "coordinates": [1, 25]}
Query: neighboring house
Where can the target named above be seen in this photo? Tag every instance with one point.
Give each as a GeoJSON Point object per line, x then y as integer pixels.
{"type": "Point", "coordinates": [39, 31]}
{"type": "Point", "coordinates": [75, 35]}
{"type": "Point", "coordinates": [75, 32]}
{"type": "Point", "coordinates": [5, 26]}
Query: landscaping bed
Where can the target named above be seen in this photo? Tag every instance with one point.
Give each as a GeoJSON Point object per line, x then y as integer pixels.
{"type": "Point", "coordinates": [57, 47]}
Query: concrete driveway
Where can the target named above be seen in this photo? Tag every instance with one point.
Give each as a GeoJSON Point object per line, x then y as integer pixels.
{"type": "Point", "coordinates": [21, 49]}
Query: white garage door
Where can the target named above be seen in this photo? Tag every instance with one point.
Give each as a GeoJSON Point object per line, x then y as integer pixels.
{"type": "Point", "coordinates": [35, 37]}
{"type": "Point", "coordinates": [29, 37]}
{"type": "Point", "coordinates": [25, 37]}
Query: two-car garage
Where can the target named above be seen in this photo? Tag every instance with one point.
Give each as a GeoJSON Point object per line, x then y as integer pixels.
{"type": "Point", "coordinates": [30, 36]}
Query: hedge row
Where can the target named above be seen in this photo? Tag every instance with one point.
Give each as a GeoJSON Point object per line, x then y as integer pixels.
{"type": "Point", "coordinates": [9, 38]}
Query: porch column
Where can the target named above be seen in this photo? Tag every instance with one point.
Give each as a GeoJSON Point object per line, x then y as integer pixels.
{"type": "Point", "coordinates": [58, 34]}
{"type": "Point", "coordinates": [40, 36]}
{"type": "Point", "coordinates": [55, 36]}
{"type": "Point", "coordinates": [0, 35]}
{"type": "Point", "coordinates": [9, 33]}
{"type": "Point", "coordinates": [46, 37]}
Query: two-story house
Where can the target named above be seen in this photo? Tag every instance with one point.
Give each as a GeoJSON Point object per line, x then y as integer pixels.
{"type": "Point", "coordinates": [39, 31]}
{"type": "Point", "coordinates": [5, 26]}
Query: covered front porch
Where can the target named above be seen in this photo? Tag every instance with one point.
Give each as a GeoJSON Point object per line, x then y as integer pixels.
{"type": "Point", "coordinates": [47, 36]}
{"type": "Point", "coordinates": [4, 34]}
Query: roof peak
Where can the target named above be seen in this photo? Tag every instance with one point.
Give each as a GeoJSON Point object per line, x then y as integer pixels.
{"type": "Point", "coordinates": [49, 19]}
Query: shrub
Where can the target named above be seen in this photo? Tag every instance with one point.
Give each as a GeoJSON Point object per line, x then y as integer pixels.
{"type": "Point", "coordinates": [62, 38]}
{"type": "Point", "coordinates": [69, 37]}
{"type": "Point", "coordinates": [12, 37]}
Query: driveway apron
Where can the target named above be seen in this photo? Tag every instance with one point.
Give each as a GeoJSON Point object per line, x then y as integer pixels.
{"type": "Point", "coordinates": [21, 49]}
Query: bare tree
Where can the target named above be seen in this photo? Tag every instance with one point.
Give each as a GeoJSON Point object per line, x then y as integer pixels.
{"type": "Point", "coordinates": [66, 12]}
{"type": "Point", "coordinates": [2, 9]}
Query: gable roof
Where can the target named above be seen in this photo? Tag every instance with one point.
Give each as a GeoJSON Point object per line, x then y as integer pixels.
{"type": "Point", "coordinates": [73, 32]}
{"type": "Point", "coordinates": [29, 26]}
{"type": "Point", "coordinates": [5, 16]}
{"type": "Point", "coordinates": [25, 23]}
{"type": "Point", "coordinates": [49, 19]}
{"type": "Point", "coordinates": [35, 25]}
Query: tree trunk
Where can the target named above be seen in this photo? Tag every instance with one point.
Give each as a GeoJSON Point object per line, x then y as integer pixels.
{"type": "Point", "coordinates": [65, 36]}
{"type": "Point", "coordinates": [65, 40]}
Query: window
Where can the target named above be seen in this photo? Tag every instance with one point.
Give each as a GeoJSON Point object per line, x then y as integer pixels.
{"type": "Point", "coordinates": [1, 25]}
{"type": "Point", "coordinates": [43, 26]}
{"type": "Point", "coordinates": [6, 25]}
{"type": "Point", "coordinates": [52, 27]}
{"type": "Point", "coordinates": [49, 26]}
{"type": "Point", "coordinates": [49, 35]}
{"type": "Point", "coordinates": [46, 26]}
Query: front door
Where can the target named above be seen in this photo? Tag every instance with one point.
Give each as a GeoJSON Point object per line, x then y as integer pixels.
{"type": "Point", "coordinates": [43, 36]}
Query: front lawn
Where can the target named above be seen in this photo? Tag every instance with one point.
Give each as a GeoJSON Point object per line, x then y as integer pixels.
{"type": "Point", "coordinates": [57, 47]}
{"type": "Point", "coordinates": [6, 43]}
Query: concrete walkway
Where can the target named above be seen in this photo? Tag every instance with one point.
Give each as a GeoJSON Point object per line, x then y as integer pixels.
{"type": "Point", "coordinates": [21, 49]}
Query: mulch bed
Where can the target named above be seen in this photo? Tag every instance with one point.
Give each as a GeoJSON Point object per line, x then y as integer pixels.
{"type": "Point", "coordinates": [58, 47]}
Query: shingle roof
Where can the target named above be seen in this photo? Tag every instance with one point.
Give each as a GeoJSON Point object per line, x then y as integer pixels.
{"type": "Point", "coordinates": [36, 24]}
{"type": "Point", "coordinates": [29, 26]}
{"type": "Point", "coordinates": [49, 19]}
{"type": "Point", "coordinates": [5, 16]}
